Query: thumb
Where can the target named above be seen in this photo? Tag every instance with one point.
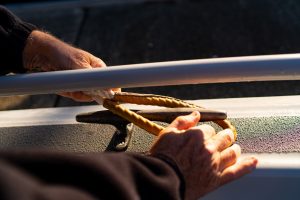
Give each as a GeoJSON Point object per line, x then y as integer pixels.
{"type": "Point", "coordinates": [183, 122]}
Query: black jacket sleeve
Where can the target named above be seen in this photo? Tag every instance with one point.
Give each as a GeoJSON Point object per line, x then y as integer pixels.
{"type": "Point", "coordinates": [52, 175]}
{"type": "Point", "coordinates": [13, 35]}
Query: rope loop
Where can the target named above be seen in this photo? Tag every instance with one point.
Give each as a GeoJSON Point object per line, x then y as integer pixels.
{"type": "Point", "coordinates": [114, 105]}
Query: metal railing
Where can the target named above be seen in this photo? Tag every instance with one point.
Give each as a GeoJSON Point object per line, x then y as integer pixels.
{"type": "Point", "coordinates": [216, 70]}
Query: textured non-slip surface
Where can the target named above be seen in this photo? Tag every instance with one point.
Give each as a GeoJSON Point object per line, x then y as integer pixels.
{"type": "Point", "coordinates": [82, 138]}
{"type": "Point", "coordinates": [269, 134]}
{"type": "Point", "coordinates": [256, 135]}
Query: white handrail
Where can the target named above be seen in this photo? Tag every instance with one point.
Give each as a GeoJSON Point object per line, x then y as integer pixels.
{"type": "Point", "coordinates": [216, 70]}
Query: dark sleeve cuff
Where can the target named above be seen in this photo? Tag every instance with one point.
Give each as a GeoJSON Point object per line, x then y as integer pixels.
{"type": "Point", "coordinates": [13, 36]}
{"type": "Point", "coordinates": [173, 164]}
{"type": "Point", "coordinates": [100, 175]}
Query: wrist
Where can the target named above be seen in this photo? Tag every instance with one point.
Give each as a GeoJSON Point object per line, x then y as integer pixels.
{"type": "Point", "coordinates": [39, 49]}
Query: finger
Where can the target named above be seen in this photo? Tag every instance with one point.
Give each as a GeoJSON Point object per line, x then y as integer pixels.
{"type": "Point", "coordinates": [238, 170]}
{"type": "Point", "coordinates": [80, 96]}
{"type": "Point", "coordinates": [183, 122]}
{"type": "Point", "coordinates": [207, 130]}
{"type": "Point", "coordinates": [222, 140]}
{"type": "Point", "coordinates": [65, 94]}
{"type": "Point", "coordinates": [229, 156]}
{"type": "Point", "coordinates": [96, 62]}
{"type": "Point", "coordinates": [116, 89]}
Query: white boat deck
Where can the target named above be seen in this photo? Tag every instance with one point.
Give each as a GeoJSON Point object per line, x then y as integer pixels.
{"type": "Point", "coordinates": [268, 127]}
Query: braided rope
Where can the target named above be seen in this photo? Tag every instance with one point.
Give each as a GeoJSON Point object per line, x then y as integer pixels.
{"type": "Point", "coordinates": [150, 99]}
{"type": "Point", "coordinates": [138, 120]}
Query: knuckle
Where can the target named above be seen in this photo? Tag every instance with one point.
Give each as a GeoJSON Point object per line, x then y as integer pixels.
{"type": "Point", "coordinates": [211, 148]}
{"type": "Point", "coordinates": [227, 138]}
{"type": "Point", "coordinates": [215, 165]}
{"type": "Point", "coordinates": [195, 134]}
{"type": "Point", "coordinates": [79, 55]}
{"type": "Point", "coordinates": [180, 120]}
{"type": "Point", "coordinates": [207, 130]}
{"type": "Point", "coordinates": [207, 127]}
{"type": "Point", "coordinates": [232, 154]}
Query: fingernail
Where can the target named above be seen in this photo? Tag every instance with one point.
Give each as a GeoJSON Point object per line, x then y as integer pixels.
{"type": "Point", "coordinates": [195, 113]}
{"type": "Point", "coordinates": [228, 132]}
{"type": "Point", "coordinates": [254, 163]}
{"type": "Point", "coordinates": [254, 160]}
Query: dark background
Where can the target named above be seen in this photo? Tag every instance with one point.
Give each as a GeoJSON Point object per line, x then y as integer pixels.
{"type": "Point", "coordinates": [133, 31]}
{"type": "Point", "coordinates": [9, 2]}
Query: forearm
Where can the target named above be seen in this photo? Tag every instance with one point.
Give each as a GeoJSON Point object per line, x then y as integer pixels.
{"type": "Point", "coordinates": [100, 175]}
{"type": "Point", "coordinates": [13, 36]}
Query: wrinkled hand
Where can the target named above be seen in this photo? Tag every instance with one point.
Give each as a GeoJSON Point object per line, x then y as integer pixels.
{"type": "Point", "coordinates": [43, 52]}
{"type": "Point", "coordinates": [205, 158]}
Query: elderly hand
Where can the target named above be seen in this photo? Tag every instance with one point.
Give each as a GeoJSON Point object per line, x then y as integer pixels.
{"type": "Point", "coordinates": [43, 52]}
{"type": "Point", "coordinates": [205, 158]}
